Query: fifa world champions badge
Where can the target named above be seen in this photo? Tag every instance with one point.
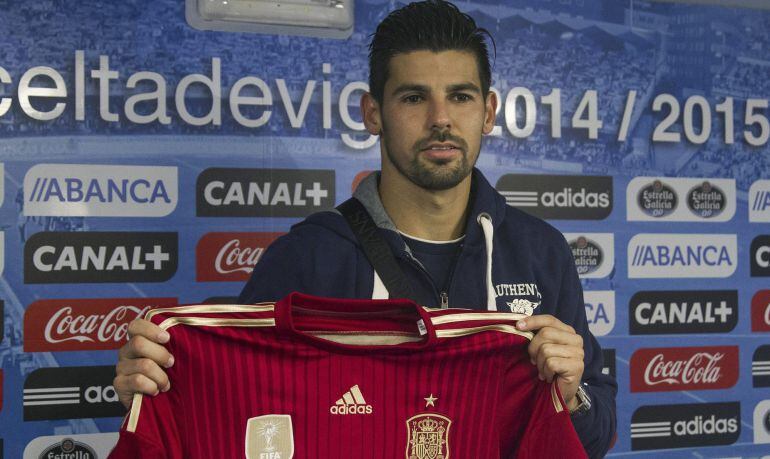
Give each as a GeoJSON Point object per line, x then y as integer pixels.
{"type": "Point", "coordinates": [427, 436]}
{"type": "Point", "coordinates": [270, 437]}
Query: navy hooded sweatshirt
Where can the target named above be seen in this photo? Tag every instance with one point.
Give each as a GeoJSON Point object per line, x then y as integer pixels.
{"type": "Point", "coordinates": [510, 261]}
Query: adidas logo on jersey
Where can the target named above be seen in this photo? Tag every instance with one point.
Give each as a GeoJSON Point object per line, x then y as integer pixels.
{"type": "Point", "coordinates": [352, 402]}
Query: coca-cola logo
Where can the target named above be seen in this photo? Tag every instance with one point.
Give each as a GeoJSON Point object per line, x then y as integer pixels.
{"type": "Point", "coordinates": [83, 324]}
{"type": "Point", "coordinates": [227, 257]}
{"type": "Point", "coordinates": [760, 311]}
{"type": "Point", "coordinates": [673, 369]}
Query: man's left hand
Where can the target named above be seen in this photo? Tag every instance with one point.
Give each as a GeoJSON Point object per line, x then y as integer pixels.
{"type": "Point", "coordinates": [557, 351]}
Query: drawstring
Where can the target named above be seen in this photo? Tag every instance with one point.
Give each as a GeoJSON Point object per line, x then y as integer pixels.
{"type": "Point", "coordinates": [486, 225]}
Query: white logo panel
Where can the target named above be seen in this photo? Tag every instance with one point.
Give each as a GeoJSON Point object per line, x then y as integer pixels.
{"type": "Point", "coordinates": [656, 199]}
{"type": "Point", "coordinates": [682, 255]}
{"type": "Point", "coordinates": [594, 253]}
{"type": "Point", "coordinates": [80, 190]}
{"type": "Point", "coordinates": [759, 202]}
{"type": "Point", "coordinates": [600, 311]}
{"type": "Point", "coordinates": [762, 422]}
{"type": "Point", "coordinates": [76, 446]}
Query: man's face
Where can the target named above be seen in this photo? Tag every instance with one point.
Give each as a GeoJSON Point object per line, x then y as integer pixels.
{"type": "Point", "coordinates": [432, 117]}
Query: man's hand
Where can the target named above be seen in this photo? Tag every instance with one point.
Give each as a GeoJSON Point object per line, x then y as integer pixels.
{"type": "Point", "coordinates": [140, 361]}
{"type": "Point", "coordinates": [557, 351]}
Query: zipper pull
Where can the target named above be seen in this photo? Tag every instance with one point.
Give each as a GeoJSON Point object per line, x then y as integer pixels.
{"type": "Point", "coordinates": [444, 300]}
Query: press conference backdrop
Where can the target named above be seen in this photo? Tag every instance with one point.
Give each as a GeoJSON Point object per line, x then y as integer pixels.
{"type": "Point", "coordinates": [146, 163]}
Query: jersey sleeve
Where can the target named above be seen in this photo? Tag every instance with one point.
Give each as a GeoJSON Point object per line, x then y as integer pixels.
{"type": "Point", "coordinates": [149, 431]}
{"type": "Point", "coordinates": [550, 433]}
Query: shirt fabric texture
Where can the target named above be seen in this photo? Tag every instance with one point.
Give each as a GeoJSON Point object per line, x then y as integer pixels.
{"type": "Point", "coordinates": [327, 378]}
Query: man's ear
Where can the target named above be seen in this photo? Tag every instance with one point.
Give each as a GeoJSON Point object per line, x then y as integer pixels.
{"type": "Point", "coordinates": [370, 112]}
{"type": "Point", "coordinates": [490, 107]}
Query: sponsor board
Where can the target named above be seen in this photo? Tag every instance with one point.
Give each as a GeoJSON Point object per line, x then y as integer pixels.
{"type": "Point", "coordinates": [680, 199]}
{"type": "Point", "coordinates": [760, 311]}
{"type": "Point", "coordinates": [85, 446]}
{"type": "Point", "coordinates": [71, 393]}
{"type": "Point", "coordinates": [227, 192]}
{"type": "Point", "coordinates": [760, 256]}
{"type": "Point", "coordinates": [100, 190]}
{"type": "Point", "coordinates": [600, 311]}
{"type": "Point", "coordinates": [685, 426]}
{"type": "Point", "coordinates": [684, 368]}
{"type": "Point", "coordinates": [230, 257]}
{"type": "Point", "coordinates": [83, 324]}
{"type": "Point", "coordinates": [759, 202]}
{"type": "Point", "coordinates": [594, 253]}
{"type": "Point", "coordinates": [682, 311]}
{"type": "Point", "coordinates": [762, 422]}
{"type": "Point", "coordinates": [682, 255]}
{"type": "Point", "coordinates": [561, 197]}
{"type": "Point", "coordinates": [609, 362]}
{"type": "Point", "coordinates": [75, 257]}
{"type": "Point", "coordinates": [760, 367]}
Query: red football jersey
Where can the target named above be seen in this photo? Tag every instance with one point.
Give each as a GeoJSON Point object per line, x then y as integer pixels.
{"type": "Point", "coordinates": [327, 378]}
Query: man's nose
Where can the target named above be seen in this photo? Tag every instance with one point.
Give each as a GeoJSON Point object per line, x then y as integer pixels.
{"type": "Point", "coordinates": [439, 115]}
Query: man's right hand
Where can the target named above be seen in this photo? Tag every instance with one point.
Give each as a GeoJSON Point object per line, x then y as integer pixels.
{"type": "Point", "coordinates": [141, 362]}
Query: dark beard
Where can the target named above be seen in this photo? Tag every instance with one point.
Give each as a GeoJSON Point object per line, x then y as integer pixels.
{"type": "Point", "coordinates": [441, 176]}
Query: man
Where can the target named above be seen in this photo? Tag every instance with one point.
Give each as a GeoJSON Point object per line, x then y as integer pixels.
{"type": "Point", "coordinates": [452, 234]}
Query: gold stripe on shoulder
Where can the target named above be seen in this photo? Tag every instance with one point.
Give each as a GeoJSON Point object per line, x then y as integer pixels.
{"type": "Point", "coordinates": [555, 397]}
{"type": "Point", "coordinates": [462, 317]}
{"type": "Point", "coordinates": [214, 322]}
{"type": "Point", "coordinates": [211, 308]}
{"type": "Point", "coordinates": [133, 415]}
{"type": "Point", "coordinates": [456, 332]}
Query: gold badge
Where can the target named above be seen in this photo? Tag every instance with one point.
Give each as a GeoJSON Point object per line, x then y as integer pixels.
{"type": "Point", "coordinates": [269, 437]}
{"type": "Point", "coordinates": [427, 436]}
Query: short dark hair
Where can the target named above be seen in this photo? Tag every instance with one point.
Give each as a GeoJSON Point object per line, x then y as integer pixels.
{"type": "Point", "coordinates": [434, 25]}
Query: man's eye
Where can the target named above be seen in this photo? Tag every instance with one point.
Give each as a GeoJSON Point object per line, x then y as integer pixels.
{"type": "Point", "coordinates": [412, 99]}
{"type": "Point", "coordinates": [463, 97]}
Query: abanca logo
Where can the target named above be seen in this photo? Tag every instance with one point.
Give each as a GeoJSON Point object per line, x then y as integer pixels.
{"type": "Point", "coordinates": [682, 255]}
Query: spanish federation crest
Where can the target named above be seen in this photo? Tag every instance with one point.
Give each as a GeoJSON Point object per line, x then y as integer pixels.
{"type": "Point", "coordinates": [427, 436]}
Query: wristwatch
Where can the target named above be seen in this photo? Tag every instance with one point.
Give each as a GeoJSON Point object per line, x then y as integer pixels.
{"type": "Point", "coordinates": [585, 402]}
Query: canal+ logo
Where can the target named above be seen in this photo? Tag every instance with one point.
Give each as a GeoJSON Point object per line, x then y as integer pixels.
{"type": "Point", "coordinates": [91, 190]}
{"type": "Point", "coordinates": [682, 255]}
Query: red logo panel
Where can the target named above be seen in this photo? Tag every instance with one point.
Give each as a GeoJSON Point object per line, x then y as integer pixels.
{"type": "Point", "coordinates": [83, 324]}
{"type": "Point", "coordinates": [684, 368]}
{"type": "Point", "coordinates": [230, 257]}
{"type": "Point", "coordinates": [760, 311]}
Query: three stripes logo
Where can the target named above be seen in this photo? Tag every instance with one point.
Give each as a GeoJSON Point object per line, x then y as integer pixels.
{"type": "Point", "coordinates": [760, 367]}
{"type": "Point", "coordinates": [71, 393]}
{"type": "Point", "coordinates": [686, 425]}
{"type": "Point", "coordinates": [352, 402]}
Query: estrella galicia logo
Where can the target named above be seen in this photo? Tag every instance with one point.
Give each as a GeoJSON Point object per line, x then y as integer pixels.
{"type": "Point", "coordinates": [70, 393]}
{"type": "Point", "coordinates": [685, 426]}
{"type": "Point", "coordinates": [760, 256]}
{"type": "Point", "coordinates": [762, 422]}
{"type": "Point", "coordinates": [682, 255]}
{"type": "Point", "coordinates": [657, 199]}
{"type": "Point", "coordinates": [100, 190]}
{"type": "Point", "coordinates": [706, 200]}
{"type": "Point", "coordinates": [608, 362]}
{"type": "Point", "coordinates": [567, 197]}
{"type": "Point", "coordinates": [76, 257]}
{"type": "Point", "coordinates": [225, 192]}
{"type": "Point", "coordinates": [671, 312]}
{"type": "Point", "coordinates": [760, 366]}
{"type": "Point", "coordinates": [759, 202]}
{"type": "Point", "coordinates": [80, 446]}
{"type": "Point", "coordinates": [593, 253]}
